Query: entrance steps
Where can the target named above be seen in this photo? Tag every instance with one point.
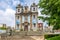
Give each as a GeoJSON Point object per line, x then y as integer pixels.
{"type": "Point", "coordinates": [30, 33]}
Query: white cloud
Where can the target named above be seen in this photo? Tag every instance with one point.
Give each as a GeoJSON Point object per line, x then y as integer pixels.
{"type": "Point", "coordinates": [8, 17]}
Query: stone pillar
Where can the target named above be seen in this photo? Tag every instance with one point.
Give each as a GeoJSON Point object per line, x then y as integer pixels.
{"type": "Point", "coordinates": [31, 22]}
{"type": "Point", "coordinates": [37, 21]}
{"type": "Point", "coordinates": [15, 21]}
{"type": "Point", "coordinates": [20, 21]}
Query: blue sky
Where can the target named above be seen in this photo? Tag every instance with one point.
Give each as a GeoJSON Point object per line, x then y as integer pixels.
{"type": "Point", "coordinates": [7, 10]}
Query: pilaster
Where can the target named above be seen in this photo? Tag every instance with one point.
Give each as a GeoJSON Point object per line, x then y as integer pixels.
{"type": "Point", "coordinates": [31, 22]}
{"type": "Point", "coordinates": [21, 21]}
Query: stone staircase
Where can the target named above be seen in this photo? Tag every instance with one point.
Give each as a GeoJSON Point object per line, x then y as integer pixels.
{"type": "Point", "coordinates": [23, 36]}
{"type": "Point", "coordinates": [25, 33]}
{"type": "Point", "coordinates": [17, 37]}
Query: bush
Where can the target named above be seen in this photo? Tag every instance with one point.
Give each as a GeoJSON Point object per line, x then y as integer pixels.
{"type": "Point", "coordinates": [50, 36]}
{"type": "Point", "coordinates": [54, 38]}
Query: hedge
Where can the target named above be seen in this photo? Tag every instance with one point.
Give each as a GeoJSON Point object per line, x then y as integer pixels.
{"type": "Point", "coordinates": [50, 36]}
{"type": "Point", "coordinates": [54, 38]}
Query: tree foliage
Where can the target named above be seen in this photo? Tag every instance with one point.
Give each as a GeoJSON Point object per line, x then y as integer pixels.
{"type": "Point", "coordinates": [51, 8]}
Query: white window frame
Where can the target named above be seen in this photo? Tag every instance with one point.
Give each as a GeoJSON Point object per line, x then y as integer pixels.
{"type": "Point", "coordinates": [20, 10]}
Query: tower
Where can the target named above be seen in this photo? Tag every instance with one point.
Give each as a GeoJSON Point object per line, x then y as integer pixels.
{"type": "Point", "coordinates": [34, 10]}
{"type": "Point", "coordinates": [18, 17]}
{"type": "Point", "coordinates": [19, 8]}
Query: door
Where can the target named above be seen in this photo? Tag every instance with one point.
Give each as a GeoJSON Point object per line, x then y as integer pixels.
{"type": "Point", "coordinates": [26, 28]}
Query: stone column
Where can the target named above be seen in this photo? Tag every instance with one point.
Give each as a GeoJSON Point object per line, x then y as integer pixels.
{"type": "Point", "coordinates": [20, 21]}
{"type": "Point", "coordinates": [37, 20]}
{"type": "Point", "coordinates": [15, 21]}
{"type": "Point", "coordinates": [31, 22]}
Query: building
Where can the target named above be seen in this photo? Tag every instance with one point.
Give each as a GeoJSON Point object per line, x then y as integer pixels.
{"type": "Point", "coordinates": [25, 19]}
{"type": "Point", "coordinates": [3, 25]}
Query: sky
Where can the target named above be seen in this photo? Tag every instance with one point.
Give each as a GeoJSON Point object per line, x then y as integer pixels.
{"type": "Point", "coordinates": [8, 9]}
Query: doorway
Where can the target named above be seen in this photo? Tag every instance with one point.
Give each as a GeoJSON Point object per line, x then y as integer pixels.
{"type": "Point", "coordinates": [26, 28]}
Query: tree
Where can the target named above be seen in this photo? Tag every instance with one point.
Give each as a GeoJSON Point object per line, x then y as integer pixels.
{"type": "Point", "coordinates": [51, 8]}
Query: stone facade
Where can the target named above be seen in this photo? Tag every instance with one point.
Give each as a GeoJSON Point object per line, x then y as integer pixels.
{"type": "Point", "coordinates": [25, 19]}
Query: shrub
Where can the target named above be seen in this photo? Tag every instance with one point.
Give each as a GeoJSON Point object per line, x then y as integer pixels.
{"type": "Point", "coordinates": [54, 38]}
{"type": "Point", "coordinates": [50, 36]}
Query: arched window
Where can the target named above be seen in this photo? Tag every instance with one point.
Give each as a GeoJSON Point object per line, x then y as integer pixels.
{"type": "Point", "coordinates": [17, 26]}
{"type": "Point", "coordinates": [34, 25]}
{"type": "Point", "coordinates": [18, 17]}
{"type": "Point", "coordinates": [18, 10]}
{"type": "Point", "coordinates": [34, 9]}
{"type": "Point", "coordinates": [33, 16]}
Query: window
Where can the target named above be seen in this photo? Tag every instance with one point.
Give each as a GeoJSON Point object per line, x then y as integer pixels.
{"type": "Point", "coordinates": [25, 19]}
{"type": "Point", "coordinates": [34, 9]}
{"type": "Point", "coordinates": [17, 25]}
{"type": "Point", "coordinates": [34, 25]}
{"type": "Point", "coordinates": [18, 17]}
{"type": "Point", "coordinates": [22, 10]}
{"type": "Point", "coordinates": [18, 10]}
{"type": "Point", "coordinates": [33, 16]}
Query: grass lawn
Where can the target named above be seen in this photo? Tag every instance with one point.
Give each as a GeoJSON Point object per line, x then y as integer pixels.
{"type": "Point", "coordinates": [54, 38]}
{"type": "Point", "coordinates": [2, 28]}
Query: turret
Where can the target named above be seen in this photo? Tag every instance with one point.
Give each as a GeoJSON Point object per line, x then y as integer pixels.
{"type": "Point", "coordinates": [34, 8]}
{"type": "Point", "coordinates": [19, 8]}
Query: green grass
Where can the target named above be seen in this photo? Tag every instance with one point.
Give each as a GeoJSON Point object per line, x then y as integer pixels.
{"type": "Point", "coordinates": [54, 38]}
{"type": "Point", "coordinates": [2, 28]}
